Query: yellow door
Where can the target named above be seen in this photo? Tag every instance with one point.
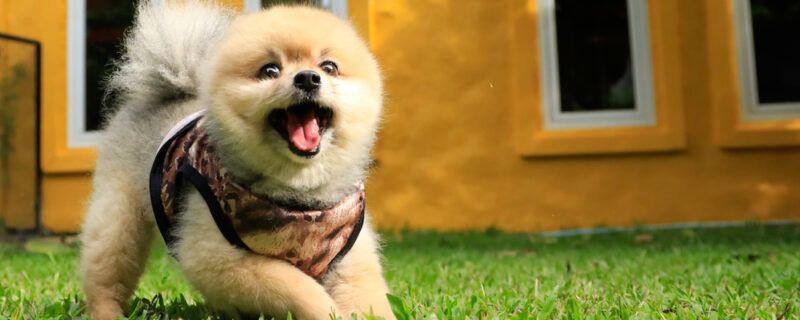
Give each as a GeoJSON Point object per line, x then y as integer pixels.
{"type": "Point", "coordinates": [19, 105]}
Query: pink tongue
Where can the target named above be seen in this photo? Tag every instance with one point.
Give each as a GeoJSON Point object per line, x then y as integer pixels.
{"type": "Point", "coordinates": [303, 130]}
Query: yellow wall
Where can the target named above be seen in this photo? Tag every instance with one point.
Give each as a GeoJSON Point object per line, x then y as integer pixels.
{"type": "Point", "coordinates": [45, 21]}
{"type": "Point", "coordinates": [447, 152]}
{"type": "Point", "coordinates": [448, 160]}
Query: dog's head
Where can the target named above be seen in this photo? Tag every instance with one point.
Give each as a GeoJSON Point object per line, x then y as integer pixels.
{"type": "Point", "coordinates": [295, 94]}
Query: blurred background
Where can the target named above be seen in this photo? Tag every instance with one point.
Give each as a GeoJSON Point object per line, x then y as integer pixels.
{"type": "Point", "coordinates": [518, 115]}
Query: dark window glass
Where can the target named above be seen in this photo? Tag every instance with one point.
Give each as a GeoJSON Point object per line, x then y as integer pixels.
{"type": "Point", "coordinates": [594, 55]}
{"type": "Point", "coordinates": [775, 22]}
{"type": "Point", "coordinates": [106, 21]}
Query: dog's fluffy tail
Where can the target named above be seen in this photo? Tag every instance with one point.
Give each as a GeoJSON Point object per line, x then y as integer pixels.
{"type": "Point", "coordinates": [164, 50]}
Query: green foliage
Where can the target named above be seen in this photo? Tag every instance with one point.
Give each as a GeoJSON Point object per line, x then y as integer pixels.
{"type": "Point", "coordinates": [398, 308]}
{"type": "Point", "coordinates": [748, 272]}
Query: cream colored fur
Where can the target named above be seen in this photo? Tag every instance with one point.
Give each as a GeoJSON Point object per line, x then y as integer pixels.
{"type": "Point", "coordinates": [182, 57]}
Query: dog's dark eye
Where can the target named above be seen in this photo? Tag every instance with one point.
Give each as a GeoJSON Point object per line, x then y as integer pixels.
{"type": "Point", "coordinates": [269, 71]}
{"type": "Point", "coordinates": [329, 67]}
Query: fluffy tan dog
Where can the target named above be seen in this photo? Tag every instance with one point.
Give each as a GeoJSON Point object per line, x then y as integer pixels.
{"type": "Point", "coordinates": [292, 99]}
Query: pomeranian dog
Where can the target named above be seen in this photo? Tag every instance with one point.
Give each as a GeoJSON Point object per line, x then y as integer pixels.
{"type": "Point", "coordinates": [245, 140]}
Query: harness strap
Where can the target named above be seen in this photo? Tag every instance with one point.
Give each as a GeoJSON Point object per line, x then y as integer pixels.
{"type": "Point", "coordinates": [223, 223]}
{"type": "Point", "coordinates": [156, 180]}
{"type": "Point", "coordinates": [351, 240]}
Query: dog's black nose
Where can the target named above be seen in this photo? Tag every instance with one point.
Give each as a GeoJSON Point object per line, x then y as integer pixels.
{"type": "Point", "coordinates": [307, 80]}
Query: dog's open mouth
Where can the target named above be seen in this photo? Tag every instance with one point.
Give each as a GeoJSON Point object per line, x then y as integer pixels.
{"type": "Point", "coordinates": [302, 126]}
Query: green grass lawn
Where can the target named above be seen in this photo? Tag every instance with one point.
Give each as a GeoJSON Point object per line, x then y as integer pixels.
{"type": "Point", "coordinates": [744, 272]}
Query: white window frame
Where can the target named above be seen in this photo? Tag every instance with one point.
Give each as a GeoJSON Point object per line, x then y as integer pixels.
{"type": "Point", "coordinates": [751, 109]}
{"type": "Point", "coordinates": [338, 7]}
{"type": "Point", "coordinates": [77, 135]}
{"type": "Point", "coordinates": [644, 101]}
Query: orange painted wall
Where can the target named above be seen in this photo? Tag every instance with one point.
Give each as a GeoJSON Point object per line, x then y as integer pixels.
{"type": "Point", "coordinates": [447, 158]}
{"type": "Point", "coordinates": [45, 21]}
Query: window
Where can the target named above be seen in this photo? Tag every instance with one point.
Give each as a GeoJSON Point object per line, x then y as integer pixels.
{"type": "Point", "coordinates": [338, 7]}
{"type": "Point", "coordinates": [596, 66]}
{"type": "Point", "coordinates": [95, 31]}
{"type": "Point", "coordinates": [591, 77]}
{"type": "Point", "coordinates": [754, 91]}
{"type": "Point", "coordinates": [767, 59]}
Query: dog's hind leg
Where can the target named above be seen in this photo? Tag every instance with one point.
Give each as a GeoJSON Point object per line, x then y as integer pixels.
{"type": "Point", "coordinates": [116, 239]}
{"type": "Point", "coordinates": [356, 282]}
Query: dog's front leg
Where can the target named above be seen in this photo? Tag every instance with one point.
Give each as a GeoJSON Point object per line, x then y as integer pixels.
{"type": "Point", "coordinates": [254, 286]}
{"type": "Point", "coordinates": [356, 282]}
{"type": "Point", "coordinates": [237, 281]}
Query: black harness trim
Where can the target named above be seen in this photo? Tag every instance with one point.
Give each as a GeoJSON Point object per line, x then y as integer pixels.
{"type": "Point", "coordinates": [353, 236]}
{"type": "Point", "coordinates": [223, 223]}
{"type": "Point", "coordinates": [156, 178]}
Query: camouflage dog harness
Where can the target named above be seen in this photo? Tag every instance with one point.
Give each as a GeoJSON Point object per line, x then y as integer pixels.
{"type": "Point", "coordinates": [311, 240]}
